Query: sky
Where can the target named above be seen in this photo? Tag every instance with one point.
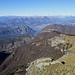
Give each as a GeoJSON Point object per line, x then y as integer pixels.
{"type": "Point", "coordinates": [37, 7]}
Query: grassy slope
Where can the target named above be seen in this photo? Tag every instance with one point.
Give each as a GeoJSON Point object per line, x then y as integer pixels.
{"type": "Point", "coordinates": [62, 69]}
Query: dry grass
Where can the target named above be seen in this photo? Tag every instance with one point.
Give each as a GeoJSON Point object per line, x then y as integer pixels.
{"type": "Point", "coordinates": [58, 68]}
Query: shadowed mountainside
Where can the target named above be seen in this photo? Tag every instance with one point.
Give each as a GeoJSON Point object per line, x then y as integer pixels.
{"type": "Point", "coordinates": [16, 31]}
{"type": "Point", "coordinates": [8, 46]}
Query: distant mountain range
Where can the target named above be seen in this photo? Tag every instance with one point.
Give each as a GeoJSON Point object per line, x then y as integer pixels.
{"type": "Point", "coordinates": [17, 25]}
{"type": "Point", "coordinates": [35, 21]}
{"type": "Point", "coordinates": [19, 30]}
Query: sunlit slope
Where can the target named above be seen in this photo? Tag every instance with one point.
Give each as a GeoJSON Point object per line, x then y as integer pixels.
{"type": "Point", "coordinates": [54, 67]}
{"type": "Point", "coordinates": [70, 40]}
{"type": "Point", "coordinates": [65, 65]}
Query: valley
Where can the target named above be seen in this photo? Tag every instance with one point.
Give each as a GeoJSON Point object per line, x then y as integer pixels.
{"type": "Point", "coordinates": [37, 46]}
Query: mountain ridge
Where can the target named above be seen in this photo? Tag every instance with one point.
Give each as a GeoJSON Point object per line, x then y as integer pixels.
{"type": "Point", "coordinates": [51, 44]}
{"type": "Point", "coordinates": [69, 30]}
{"type": "Point", "coordinates": [10, 32]}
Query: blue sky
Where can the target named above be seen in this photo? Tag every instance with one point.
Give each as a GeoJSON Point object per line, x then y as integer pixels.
{"type": "Point", "coordinates": [37, 7]}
